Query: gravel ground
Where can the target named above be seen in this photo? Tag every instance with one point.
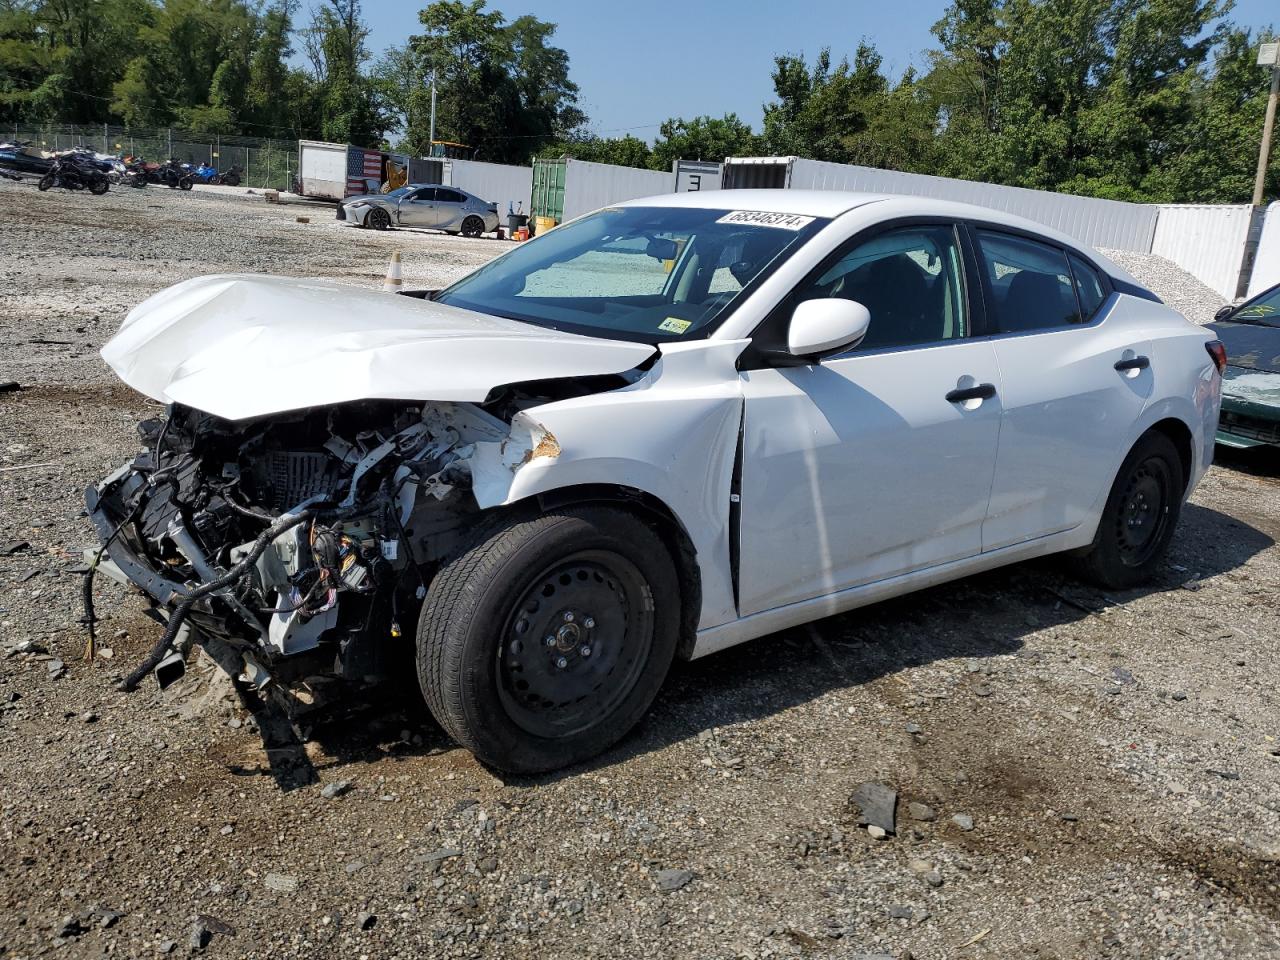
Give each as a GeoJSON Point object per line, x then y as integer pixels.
{"type": "Point", "coordinates": [1179, 289]}
{"type": "Point", "coordinates": [1079, 775]}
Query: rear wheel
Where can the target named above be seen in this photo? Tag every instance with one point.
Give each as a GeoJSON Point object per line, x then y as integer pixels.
{"type": "Point", "coordinates": [547, 639]}
{"type": "Point", "coordinates": [1140, 516]}
{"type": "Point", "coordinates": [186, 183]}
{"type": "Point", "coordinates": [378, 219]}
{"type": "Point", "coordinates": [99, 186]}
{"type": "Point", "coordinates": [472, 227]}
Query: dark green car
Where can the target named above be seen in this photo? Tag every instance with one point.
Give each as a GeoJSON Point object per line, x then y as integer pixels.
{"type": "Point", "coordinates": [1251, 382]}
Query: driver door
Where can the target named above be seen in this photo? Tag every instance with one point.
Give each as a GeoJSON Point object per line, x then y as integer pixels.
{"type": "Point", "coordinates": [418, 209]}
{"type": "Point", "coordinates": [878, 461]}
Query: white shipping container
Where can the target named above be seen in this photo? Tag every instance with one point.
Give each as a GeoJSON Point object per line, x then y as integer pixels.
{"type": "Point", "coordinates": [1266, 266]}
{"type": "Point", "coordinates": [1099, 223]}
{"type": "Point", "coordinates": [589, 186]}
{"type": "Point", "coordinates": [499, 183]}
{"type": "Point", "coordinates": [1206, 241]}
{"type": "Point", "coordinates": [322, 169]}
{"type": "Point", "coordinates": [694, 176]}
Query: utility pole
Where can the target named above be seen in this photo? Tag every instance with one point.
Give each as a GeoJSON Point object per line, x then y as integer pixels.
{"type": "Point", "coordinates": [1268, 56]}
{"type": "Point", "coordinates": [431, 135]}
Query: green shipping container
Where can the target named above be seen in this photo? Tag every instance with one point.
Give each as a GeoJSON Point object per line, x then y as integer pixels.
{"type": "Point", "coordinates": [548, 189]}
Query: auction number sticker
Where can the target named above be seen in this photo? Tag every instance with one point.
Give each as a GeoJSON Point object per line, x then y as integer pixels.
{"type": "Point", "coordinates": [761, 218]}
{"type": "Point", "coordinates": [674, 325]}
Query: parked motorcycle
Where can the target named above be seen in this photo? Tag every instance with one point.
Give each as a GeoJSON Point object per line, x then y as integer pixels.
{"type": "Point", "coordinates": [231, 178]}
{"type": "Point", "coordinates": [175, 175]}
{"type": "Point", "coordinates": [72, 172]}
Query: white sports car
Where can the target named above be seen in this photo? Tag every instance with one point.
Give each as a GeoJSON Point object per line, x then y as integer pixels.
{"type": "Point", "coordinates": [659, 430]}
{"type": "Point", "coordinates": [422, 205]}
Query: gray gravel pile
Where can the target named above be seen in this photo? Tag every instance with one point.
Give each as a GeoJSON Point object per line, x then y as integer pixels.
{"type": "Point", "coordinates": [1175, 286]}
{"type": "Point", "coordinates": [1050, 771]}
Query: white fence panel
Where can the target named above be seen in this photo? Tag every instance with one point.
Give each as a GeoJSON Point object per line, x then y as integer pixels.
{"type": "Point", "coordinates": [1206, 241]}
{"type": "Point", "coordinates": [1099, 223]}
{"type": "Point", "coordinates": [1266, 268]}
{"type": "Point", "coordinates": [589, 186]}
{"type": "Point", "coordinates": [500, 183]}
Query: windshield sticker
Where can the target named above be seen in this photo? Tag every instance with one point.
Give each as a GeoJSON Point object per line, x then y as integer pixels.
{"type": "Point", "coordinates": [760, 218]}
{"type": "Point", "coordinates": [674, 325]}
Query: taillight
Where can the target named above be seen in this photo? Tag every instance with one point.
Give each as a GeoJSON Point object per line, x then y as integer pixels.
{"type": "Point", "coordinates": [1219, 354]}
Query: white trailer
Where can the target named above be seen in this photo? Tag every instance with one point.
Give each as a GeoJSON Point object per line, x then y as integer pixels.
{"type": "Point", "coordinates": [335, 171]}
{"type": "Point", "coordinates": [507, 186]}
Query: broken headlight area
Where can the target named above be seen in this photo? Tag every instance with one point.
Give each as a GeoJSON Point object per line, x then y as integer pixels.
{"type": "Point", "coordinates": [301, 545]}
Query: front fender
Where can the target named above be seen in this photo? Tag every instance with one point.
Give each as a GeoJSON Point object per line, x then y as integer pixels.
{"type": "Point", "coordinates": [672, 435]}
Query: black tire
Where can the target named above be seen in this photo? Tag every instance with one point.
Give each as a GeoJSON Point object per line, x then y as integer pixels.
{"type": "Point", "coordinates": [596, 582]}
{"type": "Point", "coordinates": [472, 227]}
{"type": "Point", "coordinates": [1139, 518]}
{"type": "Point", "coordinates": [231, 180]}
{"type": "Point", "coordinates": [185, 183]}
{"type": "Point", "coordinates": [378, 219]}
{"type": "Point", "coordinates": [44, 183]}
{"type": "Point", "coordinates": [99, 185]}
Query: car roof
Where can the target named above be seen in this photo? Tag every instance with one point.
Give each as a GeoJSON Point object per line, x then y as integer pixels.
{"type": "Point", "coordinates": [833, 203]}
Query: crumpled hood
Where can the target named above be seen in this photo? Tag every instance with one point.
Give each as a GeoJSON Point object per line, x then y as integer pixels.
{"type": "Point", "coordinates": [240, 346]}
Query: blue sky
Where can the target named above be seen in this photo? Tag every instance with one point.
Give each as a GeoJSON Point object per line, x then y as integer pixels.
{"type": "Point", "coordinates": [637, 63]}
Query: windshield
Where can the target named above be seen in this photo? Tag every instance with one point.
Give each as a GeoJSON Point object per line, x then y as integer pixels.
{"type": "Point", "coordinates": [399, 192]}
{"type": "Point", "coordinates": [650, 274]}
{"type": "Point", "coordinates": [1264, 311]}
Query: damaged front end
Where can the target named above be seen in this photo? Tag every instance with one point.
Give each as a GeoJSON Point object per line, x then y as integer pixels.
{"type": "Point", "coordinates": [298, 547]}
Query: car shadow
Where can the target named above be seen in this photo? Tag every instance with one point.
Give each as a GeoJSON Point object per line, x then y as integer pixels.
{"type": "Point", "coordinates": [986, 615]}
{"type": "Point", "coordinates": [1261, 462]}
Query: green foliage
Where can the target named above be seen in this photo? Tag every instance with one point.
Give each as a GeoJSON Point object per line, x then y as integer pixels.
{"type": "Point", "coordinates": [503, 89]}
{"type": "Point", "coordinates": [703, 138]}
{"type": "Point", "coordinates": [625, 151]}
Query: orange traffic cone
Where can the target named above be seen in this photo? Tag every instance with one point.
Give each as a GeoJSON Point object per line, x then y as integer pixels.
{"type": "Point", "coordinates": [395, 275]}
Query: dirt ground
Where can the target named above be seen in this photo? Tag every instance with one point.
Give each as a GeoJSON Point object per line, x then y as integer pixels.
{"type": "Point", "coordinates": [1102, 770]}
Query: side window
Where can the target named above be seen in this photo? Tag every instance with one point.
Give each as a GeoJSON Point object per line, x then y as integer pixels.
{"type": "Point", "coordinates": [449, 196]}
{"type": "Point", "coordinates": [1089, 287]}
{"type": "Point", "coordinates": [1031, 283]}
{"type": "Point", "coordinates": [911, 281]}
{"type": "Point", "coordinates": [425, 195]}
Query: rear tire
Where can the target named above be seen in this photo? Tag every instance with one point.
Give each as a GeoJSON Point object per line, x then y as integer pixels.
{"type": "Point", "coordinates": [99, 186]}
{"type": "Point", "coordinates": [472, 227]}
{"type": "Point", "coordinates": [598, 584]}
{"type": "Point", "coordinates": [1139, 518]}
{"type": "Point", "coordinates": [186, 183]}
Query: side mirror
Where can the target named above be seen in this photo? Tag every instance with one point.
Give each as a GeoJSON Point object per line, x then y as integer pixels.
{"type": "Point", "coordinates": [826, 325]}
{"type": "Point", "coordinates": [1224, 313]}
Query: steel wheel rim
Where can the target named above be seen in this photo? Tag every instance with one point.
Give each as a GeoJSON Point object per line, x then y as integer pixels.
{"type": "Point", "coordinates": [1144, 512]}
{"type": "Point", "coordinates": [575, 643]}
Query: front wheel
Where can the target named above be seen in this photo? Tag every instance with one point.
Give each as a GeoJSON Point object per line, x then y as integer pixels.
{"type": "Point", "coordinates": [45, 183]}
{"type": "Point", "coordinates": [1139, 518]}
{"type": "Point", "coordinates": [99, 186]}
{"type": "Point", "coordinates": [547, 639]}
{"type": "Point", "coordinates": [472, 227]}
{"type": "Point", "coordinates": [378, 219]}
{"type": "Point", "coordinates": [185, 183]}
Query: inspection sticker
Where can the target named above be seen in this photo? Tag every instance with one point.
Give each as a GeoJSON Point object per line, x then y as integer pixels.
{"type": "Point", "coordinates": [674, 325]}
{"type": "Point", "coordinates": [760, 218]}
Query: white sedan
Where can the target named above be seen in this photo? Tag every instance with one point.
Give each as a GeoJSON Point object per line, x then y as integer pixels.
{"type": "Point", "coordinates": [667, 427]}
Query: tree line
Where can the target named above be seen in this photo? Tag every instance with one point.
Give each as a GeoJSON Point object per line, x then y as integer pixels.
{"type": "Point", "coordinates": [1145, 100]}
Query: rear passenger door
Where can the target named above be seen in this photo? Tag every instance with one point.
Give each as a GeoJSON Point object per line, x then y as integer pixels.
{"type": "Point", "coordinates": [1073, 385]}
{"type": "Point", "coordinates": [449, 212]}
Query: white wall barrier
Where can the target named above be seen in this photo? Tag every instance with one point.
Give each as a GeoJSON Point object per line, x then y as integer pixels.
{"type": "Point", "coordinates": [1205, 240]}
{"type": "Point", "coordinates": [1266, 267]}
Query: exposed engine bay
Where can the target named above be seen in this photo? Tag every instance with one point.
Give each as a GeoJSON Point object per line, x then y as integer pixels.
{"type": "Point", "coordinates": [302, 544]}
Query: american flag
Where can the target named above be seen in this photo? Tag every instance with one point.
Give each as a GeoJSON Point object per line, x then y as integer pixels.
{"type": "Point", "coordinates": [362, 165]}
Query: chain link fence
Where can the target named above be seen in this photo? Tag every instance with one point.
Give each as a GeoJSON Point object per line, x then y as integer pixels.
{"type": "Point", "coordinates": [264, 163]}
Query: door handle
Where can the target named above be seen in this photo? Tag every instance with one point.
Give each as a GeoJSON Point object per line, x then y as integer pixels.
{"type": "Point", "coordinates": [983, 391]}
{"type": "Point", "coordinates": [1133, 363]}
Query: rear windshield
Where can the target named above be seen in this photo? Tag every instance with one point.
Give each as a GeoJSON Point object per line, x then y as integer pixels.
{"type": "Point", "coordinates": [650, 274]}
